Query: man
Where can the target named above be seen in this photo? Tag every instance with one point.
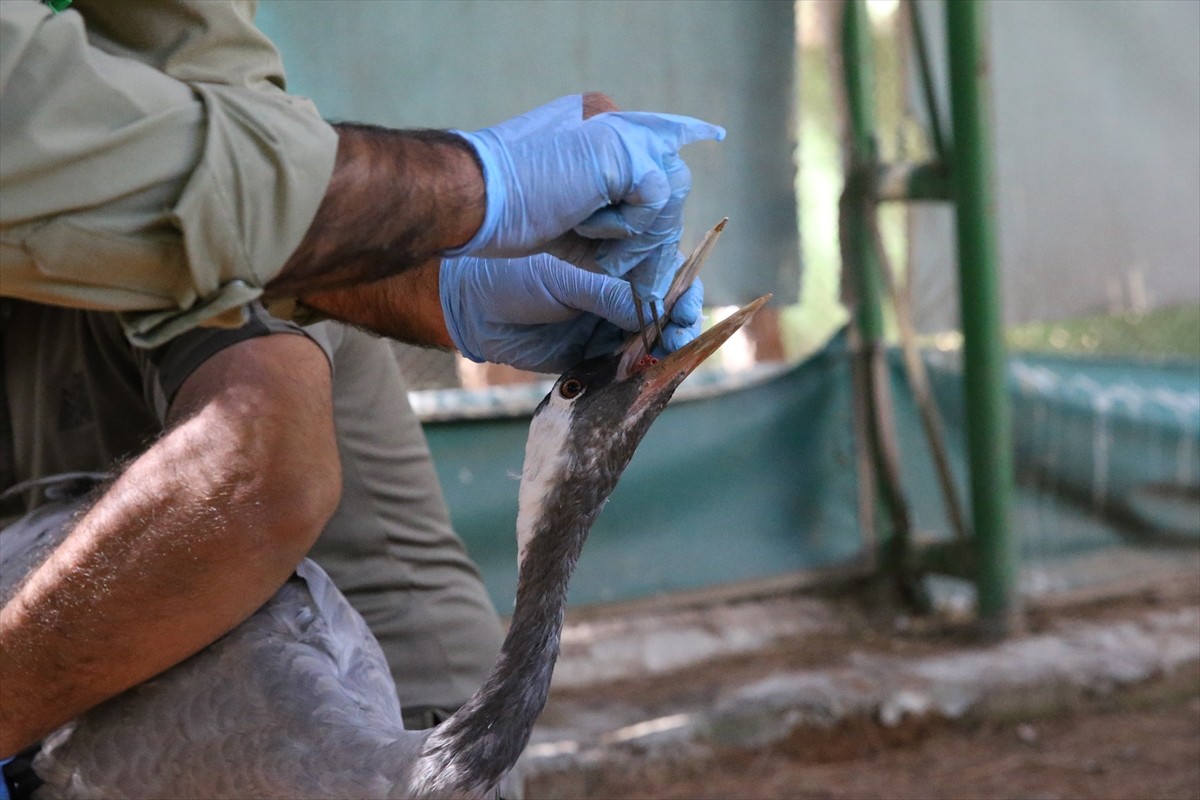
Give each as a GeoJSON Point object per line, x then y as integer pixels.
{"type": "Point", "coordinates": [204, 525]}
{"type": "Point", "coordinates": [259, 443]}
{"type": "Point", "coordinates": [388, 544]}
{"type": "Point", "coordinates": [152, 164]}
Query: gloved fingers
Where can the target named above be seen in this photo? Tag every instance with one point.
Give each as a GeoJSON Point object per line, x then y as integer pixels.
{"type": "Point", "coordinates": [611, 300]}
{"type": "Point", "coordinates": [594, 293]}
{"type": "Point", "coordinates": [500, 310]}
{"type": "Point", "coordinates": [685, 320]}
{"type": "Point", "coordinates": [649, 261]}
{"type": "Point", "coordinates": [613, 178]}
{"type": "Point", "coordinates": [652, 275]}
{"type": "Point", "coordinates": [675, 129]}
{"type": "Point", "coordinates": [679, 178]}
{"type": "Point", "coordinates": [578, 250]}
{"type": "Point", "coordinates": [525, 291]}
{"type": "Point", "coordinates": [689, 307]}
{"type": "Point", "coordinates": [555, 347]}
{"type": "Point", "coordinates": [528, 348]}
{"type": "Point", "coordinates": [638, 156]}
{"type": "Point", "coordinates": [676, 336]}
{"type": "Point", "coordinates": [636, 209]}
{"type": "Point", "coordinates": [542, 289]}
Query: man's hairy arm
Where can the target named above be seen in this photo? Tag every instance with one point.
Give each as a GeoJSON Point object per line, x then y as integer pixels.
{"type": "Point", "coordinates": [196, 534]}
{"type": "Point", "coordinates": [404, 306]}
{"type": "Point", "coordinates": [395, 201]}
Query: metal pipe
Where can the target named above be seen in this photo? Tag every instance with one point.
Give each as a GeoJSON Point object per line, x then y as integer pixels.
{"type": "Point", "coordinates": [860, 262]}
{"type": "Point", "coordinates": [859, 75]}
{"type": "Point", "coordinates": [989, 441]}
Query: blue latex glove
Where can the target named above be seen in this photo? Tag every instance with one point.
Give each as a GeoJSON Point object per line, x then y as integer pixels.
{"type": "Point", "coordinates": [605, 193]}
{"type": "Point", "coordinates": [542, 314]}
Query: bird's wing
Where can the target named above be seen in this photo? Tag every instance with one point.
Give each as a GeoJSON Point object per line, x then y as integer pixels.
{"type": "Point", "coordinates": [297, 701]}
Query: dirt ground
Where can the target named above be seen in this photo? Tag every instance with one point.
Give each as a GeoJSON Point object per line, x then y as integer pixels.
{"type": "Point", "coordinates": [1134, 744]}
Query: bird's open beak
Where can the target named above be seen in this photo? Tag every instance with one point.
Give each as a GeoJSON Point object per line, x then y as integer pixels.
{"type": "Point", "coordinates": [668, 373]}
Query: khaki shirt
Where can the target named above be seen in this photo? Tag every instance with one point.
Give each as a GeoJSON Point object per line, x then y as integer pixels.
{"type": "Point", "coordinates": [150, 160]}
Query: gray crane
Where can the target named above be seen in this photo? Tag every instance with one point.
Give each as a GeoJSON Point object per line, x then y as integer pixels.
{"type": "Point", "coordinates": [298, 701]}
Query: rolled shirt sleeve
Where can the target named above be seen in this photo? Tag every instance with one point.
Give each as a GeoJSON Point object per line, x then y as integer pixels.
{"type": "Point", "coordinates": [151, 162]}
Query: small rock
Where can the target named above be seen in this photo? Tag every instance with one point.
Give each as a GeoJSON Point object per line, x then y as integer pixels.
{"type": "Point", "coordinates": [1027, 734]}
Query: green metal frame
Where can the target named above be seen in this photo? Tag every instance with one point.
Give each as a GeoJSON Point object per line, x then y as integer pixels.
{"type": "Point", "coordinates": [864, 278]}
{"type": "Point", "coordinates": [961, 174]}
{"type": "Point", "coordinates": [989, 440]}
{"type": "Point", "coordinates": [857, 63]}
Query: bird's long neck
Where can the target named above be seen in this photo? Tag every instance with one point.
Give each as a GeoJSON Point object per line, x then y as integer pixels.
{"type": "Point", "coordinates": [471, 751]}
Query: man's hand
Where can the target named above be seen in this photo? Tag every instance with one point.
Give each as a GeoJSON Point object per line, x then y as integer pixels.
{"type": "Point", "coordinates": [545, 315]}
{"type": "Point", "coordinates": [195, 535]}
{"type": "Point", "coordinates": [604, 193]}
{"type": "Point", "coordinates": [548, 318]}
{"type": "Point", "coordinates": [536, 313]}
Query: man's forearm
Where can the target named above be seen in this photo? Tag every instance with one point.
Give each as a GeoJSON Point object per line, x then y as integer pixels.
{"type": "Point", "coordinates": [405, 307]}
{"type": "Point", "coordinates": [115, 604]}
{"type": "Point", "coordinates": [395, 201]}
{"type": "Point", "coordinates": [193, 537]}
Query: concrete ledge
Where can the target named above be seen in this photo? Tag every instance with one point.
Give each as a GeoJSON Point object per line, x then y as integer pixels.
{"type": "Point", "coordinates": [648, 644]}
{"type": "Point", "coordinates": [1084, 658]}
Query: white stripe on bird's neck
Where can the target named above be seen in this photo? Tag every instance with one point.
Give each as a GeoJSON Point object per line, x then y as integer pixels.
{"type": "Point", "coordinates": [546, 462]}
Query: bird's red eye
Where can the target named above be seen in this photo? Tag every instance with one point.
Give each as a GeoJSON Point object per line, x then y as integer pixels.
{"type": "Point", "coordinates": [570, 388]}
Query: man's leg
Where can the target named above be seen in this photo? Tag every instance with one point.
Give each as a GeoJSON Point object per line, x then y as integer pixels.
{"type": "Point", "coordinates": [390, 546]}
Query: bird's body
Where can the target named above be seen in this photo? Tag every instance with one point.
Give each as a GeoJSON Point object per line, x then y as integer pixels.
{"type": "Point", "coordinates": [298, 701]}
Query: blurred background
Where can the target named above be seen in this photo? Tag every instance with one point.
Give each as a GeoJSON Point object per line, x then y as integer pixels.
{"type": "Point", "coordinates": [837, 434]}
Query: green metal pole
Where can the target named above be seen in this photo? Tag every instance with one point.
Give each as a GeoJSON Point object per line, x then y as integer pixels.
{"type": "Point", "coordinates": [989, 441]}
{"type": "Point", "coordinates": [858, 64]}
{"type": "Point", "coordinates": [862, 260]}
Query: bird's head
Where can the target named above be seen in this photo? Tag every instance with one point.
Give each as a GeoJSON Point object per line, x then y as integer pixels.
{"type": "Point", "coordinates": [585, 431]}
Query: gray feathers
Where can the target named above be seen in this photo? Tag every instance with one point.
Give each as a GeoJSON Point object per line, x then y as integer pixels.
{"type": "Point", "coordinates": [295, 702]}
